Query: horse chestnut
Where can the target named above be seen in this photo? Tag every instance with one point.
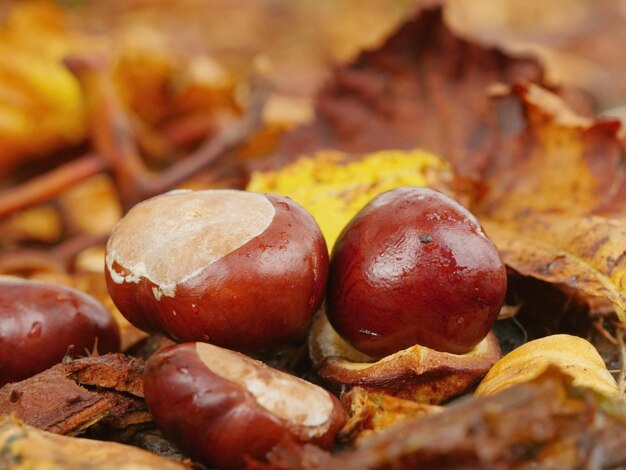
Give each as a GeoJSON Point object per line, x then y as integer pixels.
{"type": "Point", "coordinates": [40, 321]}
{"type": "Point", "coordinates": [414, 267]}
{"type": "Point", "coordinates": [221, 406]}
{"type": "Point", "coordinates": [241, 270]}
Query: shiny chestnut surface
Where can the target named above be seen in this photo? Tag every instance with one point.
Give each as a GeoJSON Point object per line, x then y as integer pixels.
{"type": "Point", "coordinates": [40, 321]}
{"type": "Point", "coordinates": [414, 267]}
{"type": "Point", "coordinates": [222, 407]}
{"type": "Point", "coordinates": [253, 293]}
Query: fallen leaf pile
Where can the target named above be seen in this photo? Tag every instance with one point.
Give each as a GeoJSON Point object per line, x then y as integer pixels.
{"type": "Point", "coordinates": [111, 119]}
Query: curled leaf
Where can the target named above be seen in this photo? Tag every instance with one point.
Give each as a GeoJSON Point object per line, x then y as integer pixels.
{"type": "Point", "coordinates": [575, 356]}
{"type": "Point", "coordinates": [585, 253]}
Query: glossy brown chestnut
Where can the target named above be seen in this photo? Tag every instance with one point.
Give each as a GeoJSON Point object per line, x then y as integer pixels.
{"type": "Point", "coordinates": [414, 267]}
{"type": "Point", "coordinates": [222, 407]}
{"type": "Point", "coordinates": [40, 321]}
{"type": "Point", "coordinates": [241, 270]}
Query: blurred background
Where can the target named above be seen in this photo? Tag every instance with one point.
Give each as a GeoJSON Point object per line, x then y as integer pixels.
{"type": "Point", "coordinates": [168, 58]}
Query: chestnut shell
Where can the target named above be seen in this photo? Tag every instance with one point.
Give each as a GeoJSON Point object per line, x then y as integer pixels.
{"type": "Point", "coordinates": [418, 373]}
{"type": "Point", "coordinates": [414, 267]}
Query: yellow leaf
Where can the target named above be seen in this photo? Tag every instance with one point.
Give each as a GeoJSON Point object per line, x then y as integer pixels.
{"type": "Point", "coordinates": [334, 187]}
{"type": "Point", "coordinates": [586, 253]}
{"type": "Point", "coordinates": [575, 356]}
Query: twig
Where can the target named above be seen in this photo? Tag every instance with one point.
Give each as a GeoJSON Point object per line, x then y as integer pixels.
{"type": "Point", "coordinates": [59, 258]}
{"type": "Point", "coordinates": [111, 129]}
{"type": "Point", "coordinates": [154, 146]}
{"type": "Point", "coordinates": [621, 379]}
{"type": "Point", "coordinates": [67, 251]}
{"type": "Point", "coordinates": [597, 325]}
{"type": "Point", "coordinates": [216, 146]}
{"type": "Point", "coordinates": [47, 186]}
{"type": "Point", "coordinates": [189, 128]}
{"type": "Point", "coordinates": [113, 135]}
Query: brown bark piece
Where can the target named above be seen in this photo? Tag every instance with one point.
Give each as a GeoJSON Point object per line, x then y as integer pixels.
{"type": "Point", "coordinates": [52, 402]}
{"type": "Point", "coordinates": [124, 410]}
{"type": "Point", "coordinates": [114, 371]}
{"type": "Point", "coordinates": [69, 398]}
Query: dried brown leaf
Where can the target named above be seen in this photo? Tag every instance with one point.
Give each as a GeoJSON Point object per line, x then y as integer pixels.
{"type": "Point", "coordinates": [553, 195]}
{"type": "Point", "coordinates": [425, 87]}
{"type": "Point", "coordinates": [549, 159]}
{"type": "Point", "coordinates": [370, 412]}
{"type": "Point", "coordinates": [585, 253]}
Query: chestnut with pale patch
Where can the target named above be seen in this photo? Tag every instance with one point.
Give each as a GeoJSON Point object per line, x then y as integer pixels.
{"type": "Point", "coordinates": [414, 267]}
{"type": "Point", "coordinates": [222, 407]}
{"type": "Point", "coordinates": [155, 239]}
{"type": "Point", "coordinates": [40, 321]}
{"type": "Point", "coordinates": [238, 269]}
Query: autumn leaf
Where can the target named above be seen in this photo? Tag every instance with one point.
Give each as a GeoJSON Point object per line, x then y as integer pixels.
{"type": "Point", "coordinates": [334, 186]}
{"type": "Point", "coordinates": [548, 159]}
{"type": "Point", "coordinates": [424, 87]}
{"type": "Point", "coordinates": [547, 194]}
{"type": "Point", "coordinates": [578, 357]}
{"type": "Point", "coordinates": [586, 253]}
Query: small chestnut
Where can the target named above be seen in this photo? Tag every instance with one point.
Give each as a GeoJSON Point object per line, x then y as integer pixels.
{"type": "Point", "coordinates": [241, 270]}
{"type": "Point", "coordinates": [414, 267]}
{"type": "Point", "coordinates": [40, 321]}
{"type": "Point", "coordinates": [222, 407]}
